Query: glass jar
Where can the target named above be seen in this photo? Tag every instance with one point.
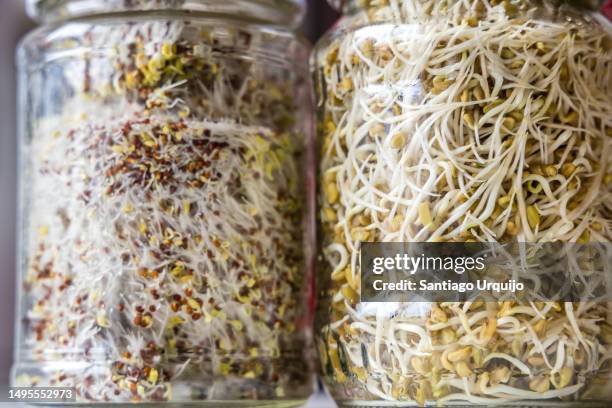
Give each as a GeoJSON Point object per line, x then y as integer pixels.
{"type": "Point", "coordinates": [163, 247]}
{"type": "Point", "coordinates": [461, 121]}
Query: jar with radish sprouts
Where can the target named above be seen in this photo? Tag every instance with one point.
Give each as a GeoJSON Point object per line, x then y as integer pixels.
{"type": "Point", "coordinates": [458, 121]}
{"type": "Point", "coordinates": [163, 251]}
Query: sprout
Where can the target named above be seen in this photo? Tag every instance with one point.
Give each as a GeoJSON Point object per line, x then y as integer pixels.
{"type": "Point", "coordinates": [504, 115]}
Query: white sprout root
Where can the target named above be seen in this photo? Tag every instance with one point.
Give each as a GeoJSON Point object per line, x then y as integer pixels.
{"type": "Point", "coordinates": [455, 121]}
{"type": "Point", "coordinates": [165, 236]}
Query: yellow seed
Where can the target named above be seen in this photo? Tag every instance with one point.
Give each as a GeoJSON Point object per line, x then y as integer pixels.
{"type": "Point", "coordinates": [459, 355]}
{"type": "Point", "coordinates": [354, 282]}
{"type": "Point", "coordinates": [533, 216]}
{"type": "Point", "coordinates": [361, 373]}
{"type": "Point", "coordinates": [472, 21]}
{"type": "Point", "coordinates": [478, 93]}
{"type": "Point", "coordinates": [147, 321]}
{"type": "Point", "coordinates": [237, 325]}
{"type": "Point", "coordinates": [444, 363]}
{"type": "Point", "coordinates": [491, 105]}
{"type": "Point", "coordinates": [550, 170]}
{"type": "Point", "coordinates": [329, 127]}
{"type": "Point", "coordinates": [360, 234]}
{"type": "Point", "coordinates": [512, 228]}
{"type": "Point", "coordinates": [118, 149]}
{"type": "Point", "coordinates": [489, 330]}
{"type": "Point", "coordinates": [516, 347]}
{"type": "Point", "coordinates": [346, 84]}
{"type": "Point", "coordinates": [193, 304]}
{"type": "Point", "coordinates": [539, 384]}
{"type": "Point", "coordinates": [376, 130]}
{"type": "Point", "coordinates": [579, 356]}
{"type": "Point", "coordinates": [102, 321]}
{"type": "Point", "coordinates": [510, 8]}
{"type": "Point", "coordinates": [483, 381]}
{"type": "Point", "coordinates": [503, 201]}
{"type": "Point", "coordinates": [568, 169]}
{"type": "Point", "coordinates": [516, 115]}
{"type": "Point", "coordinates": [448, 336]}
{"type": "Point", "coordinates": [224, 368]}
{"type": "Point", "coordinates": [463, 369]}
{"type": "Point", "coordinates": [517, 64]}
{"type": "Point", "coordinates": [536, 361]}
{"type": "Point", "coordinates": [608, 179]}
{"type": "Point", "coordinates": [438, 315]}
{"type": "Point", "coordinates": [349, 294]}
{"type": "Point", "coordinates": [398, 140]}
{"type": "Point", "coordinates": [155, 64]}
{"type": "Point", "coordinates": [338, 275]}
{"type": "Point", "coordinates": [540, 327]}
{"type": "Point", "coordinates": [509, 122]}
{"type": "Point", "coordinates": [505, 309]}
{"type": "Point", "coordinates": [421, 365]}
{"type": "Point", "coordinates": [571, 118]}
{"type": "Point", "coordinates": [472, 83]}
{"type": "Point", "coordinates": [174, 321]}
{"type": "Point", "coordinates": [469, 120]}
{"type": "Point", "coordinates": [564, 72]}
{"type": "Point", "coordinates": [565, 377]}
{"type": "Point", "coordinates": [183, 113]}
{"type": "Point", "coordinates": [477, 358]}
{"type": "Point", "coordinates": [331, 192]}
{"type": "Point", "coordinates": [153, 375]}
{"type": "Point", "coordinates": [439, 79]}
{"type": "Point", "coordinates": [424, 214]}
{"type": "Point", "coordinates": [168, 50]}
{"type": "Point", "coordinates": [500, 375]}
{"type": "Point", "coordinates": [364, 220]}
{"type": "Point", "coordinates": [421, 394]}
{"type": "Point", "coordinates": [439, 391]}
{"type": "Point", "coordinates": [465, 96]}
{"type": "Point", "coordinates": [335, 360]}
{"type": "Point", "coordinates": [329, 214]}
{"type": "Point", "coordinates": [131, 79]}
{"type": "Point", "coordinates": [540, 46]}
{"type": "Point", "coordinates": [43, 231]}
{"type": "Point", "coordinates": [536, 169]}
{"type": "Point", "coordinates": [440, 83]}
{"type": "Point", "coordinates": [438, 89]}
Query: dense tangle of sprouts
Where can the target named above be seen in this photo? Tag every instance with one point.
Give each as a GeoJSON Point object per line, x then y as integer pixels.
{"type": "Point", "coordinates": [164, 221]}
{"type": "Point", "coordinates": [454, 121]}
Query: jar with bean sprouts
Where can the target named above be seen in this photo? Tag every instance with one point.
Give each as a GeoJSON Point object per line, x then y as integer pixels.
{"type": "Point", "coordinates": [486, 121]}
{"type": "Point", "coordinates": [163, 243]}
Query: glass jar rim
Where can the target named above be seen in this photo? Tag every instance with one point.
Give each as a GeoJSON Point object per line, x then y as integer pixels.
{"type": "Point", "coordinates": [282, 12]}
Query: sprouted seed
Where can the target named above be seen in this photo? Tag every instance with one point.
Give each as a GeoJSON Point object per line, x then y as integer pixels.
{"type": "Point", "coordinates": [165, 235]}
{"type": "Point", "coordinates": [459, 121]}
